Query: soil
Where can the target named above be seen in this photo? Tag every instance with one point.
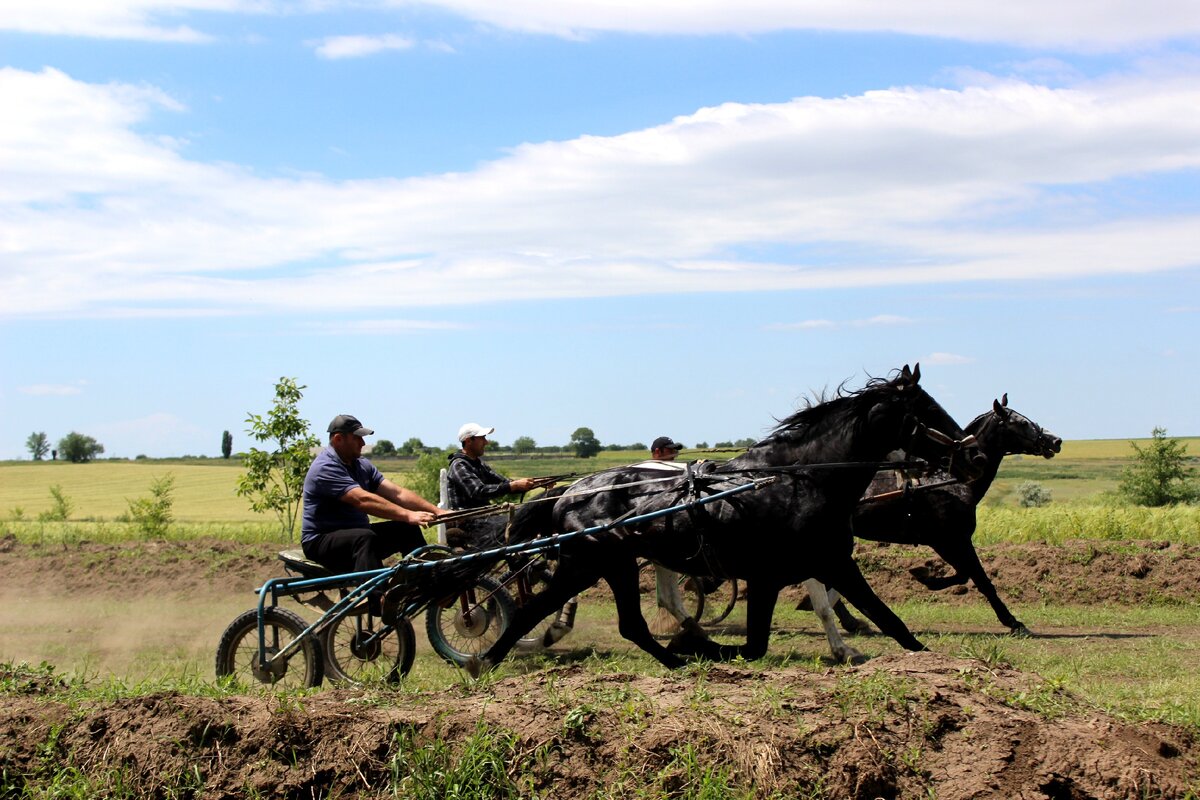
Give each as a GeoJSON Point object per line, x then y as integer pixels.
{"type": "Point", "coordinates": [915, 725]}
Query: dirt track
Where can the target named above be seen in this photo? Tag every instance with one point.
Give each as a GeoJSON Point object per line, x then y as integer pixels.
{"type": "Point", "coordinates": [901, 726]}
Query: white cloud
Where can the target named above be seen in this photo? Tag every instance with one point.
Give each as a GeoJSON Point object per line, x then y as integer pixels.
{"type": "Point", "coordinates": [52, 389]}
{"type": "Point", "coordinates": [384, 327]}
{"type": "Point", "coordinates": [899, 186]}
{"type": "Point", "coordinates": [1078, 24]}
{"type": "Point", "coordinates": [1068, 23]}
{"type": "Point", "coordinates": [946, 359]}
{"type": "Point", "coordinates": [885, 320]}
{"type": "Point", "coordinates": [337, 47]}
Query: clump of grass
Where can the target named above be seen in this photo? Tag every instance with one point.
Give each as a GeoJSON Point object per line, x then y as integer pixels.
{"type": "Point", "coordinates": [486, 764]}
{"type": "Point", "coordinates": [1057, 524]}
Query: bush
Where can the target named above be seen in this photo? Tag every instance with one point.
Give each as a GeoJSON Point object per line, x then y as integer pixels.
{"type": "Point", "coordinates": [152, 515]}
{"type": "Point", "coordinates": [424, 476]}
{"type": "Point", "coordinates": [1032, 494]}
{"type": "Point", "coordinates": [1160, 475]}
{"type": "Point", "coordinates": [60, 509]}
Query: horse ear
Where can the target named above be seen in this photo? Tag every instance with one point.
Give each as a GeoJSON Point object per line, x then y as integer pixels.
{"type": "Point", "coordinates": [998, 408]}
{"type": "Point", "coordinates": [916, 374]}
{"type": "Point", "coordinates": [1004, 400]}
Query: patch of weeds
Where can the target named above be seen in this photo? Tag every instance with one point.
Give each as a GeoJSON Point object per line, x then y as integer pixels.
{"type": "Point", "coordinates": [24, 679]}
{"type": "Point", "coordinates": [874, 695]}
{"type": "Point", "coordinates": [485, 765]}
{"type": "Point", "coordinates": [690, 776]}
{"type": "Point", "coordinates": [575, 723]}
{"type": "Point", "coordinates": [990, 650]}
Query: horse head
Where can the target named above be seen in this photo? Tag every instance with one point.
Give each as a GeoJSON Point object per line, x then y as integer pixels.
{"type": "Point", "coordinates": [926, 430]}
{"type": "Point", "coordinates": [1021, 435]}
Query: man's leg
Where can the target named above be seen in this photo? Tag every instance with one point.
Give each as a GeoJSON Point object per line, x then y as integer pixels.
{"type": "Point", "coordinates": [393, 537]}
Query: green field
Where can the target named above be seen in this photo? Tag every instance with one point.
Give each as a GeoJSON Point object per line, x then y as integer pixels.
{"type": "Point", "coordinates": [1081, 479]}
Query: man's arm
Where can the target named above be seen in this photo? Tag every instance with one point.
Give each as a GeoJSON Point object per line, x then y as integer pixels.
{"type": "Point", "coordinates": [420, 512]}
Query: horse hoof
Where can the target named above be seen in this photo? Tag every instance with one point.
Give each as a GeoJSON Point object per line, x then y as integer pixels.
{"type": "Point", "coordinates": [1020, 632]}
{"type": "Point", "coordinates": [476, 666]}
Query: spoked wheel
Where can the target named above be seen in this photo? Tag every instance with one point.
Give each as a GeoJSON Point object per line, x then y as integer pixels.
{"type": "Point", "coordinates": [470, 622]}
{"type": "Point", "coordinates": [237, 652]}
{"type": "Point", "coordinates": [720, 597]}
{"type": "Point", "coordinates": [693, 600]}
{"type": "Point", "coordinates": [360, 648]}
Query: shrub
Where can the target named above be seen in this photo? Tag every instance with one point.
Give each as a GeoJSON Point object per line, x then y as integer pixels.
{"type": "Point", "coordinates": [1032, 494]}
{"type": "Point", "coordinates": [152, 515]}
{"type": "Point", "coordinates": [60, 508]}
{"type": "Point", "coordinates": [1160, 475]}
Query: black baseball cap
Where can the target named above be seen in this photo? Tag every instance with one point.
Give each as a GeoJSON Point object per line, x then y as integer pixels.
{"type": "Point", "coordinates": [665, 443]}
{"type": "Point", "coordinates": [345, 423]}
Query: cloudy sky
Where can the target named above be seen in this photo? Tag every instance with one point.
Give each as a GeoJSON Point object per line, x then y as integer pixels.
{"type": "Point", "coordinates": [647, 218]}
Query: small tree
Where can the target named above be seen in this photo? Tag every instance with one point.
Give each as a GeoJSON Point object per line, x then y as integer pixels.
{"type": "Point", "coordinates": [424, 476]}
{"type": "Point", "coordinates": [384, 447]}
{"type": "Point", "coordinates": [38, 445]}
{"type": "Point", "coordinates": [523, 444]}
{"type": "Point", "coordinates": [226, 444]}
{"type": "Point", "coordinates": [1160, 474]}
{"type": "Point", "coordinates": [274, 479]}
{"type": "Point", "coordinates": [60, 506]}
{"type": "Point", "coordinates": [412, 447]}
{"type": "Point", "coordinates": [152, 515]}
{"type": "Point", "coordinates": [79, 449]}
{"type": "Point", "coordinates": [585, 443]}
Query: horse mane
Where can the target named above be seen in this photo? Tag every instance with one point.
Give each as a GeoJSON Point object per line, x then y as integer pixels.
{"type": "Point", "coordinates": [844, 402]}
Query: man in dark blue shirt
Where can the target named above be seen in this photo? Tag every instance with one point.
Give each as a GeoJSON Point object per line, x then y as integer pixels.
{"type": "Point", "coordinates": [342, 490]}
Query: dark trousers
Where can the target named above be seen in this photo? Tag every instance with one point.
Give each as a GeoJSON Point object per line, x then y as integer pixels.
{"type": "Point", "coordinates": [364, 549]}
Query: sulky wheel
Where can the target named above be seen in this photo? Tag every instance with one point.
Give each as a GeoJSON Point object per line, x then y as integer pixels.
{"type": "Point", "coordinates": [237, 652]}
{"type": "Point", "coordinates": [360, 648]}
{"type": "Point", "coordinates": [469, 623]}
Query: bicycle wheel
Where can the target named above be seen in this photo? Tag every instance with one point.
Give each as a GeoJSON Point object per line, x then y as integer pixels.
{"type": "Point", "coordinates": [531, 580]}
{"type": "Point", "coordinates": [237, 652]}
{"type": "Point", "coordinates": [360, 649]}
{"type": "Point", "coordinates": [719, 600]}
{"type": "Point", "coordinates": [657, 617]}
{"type": "Point", "coordinates": [470, 622]}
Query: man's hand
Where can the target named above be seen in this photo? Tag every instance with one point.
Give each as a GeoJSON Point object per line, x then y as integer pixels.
{"type": "Point", "coordinates": [522, 484]}
{"type": "Point", "coordinates": [422, 518]}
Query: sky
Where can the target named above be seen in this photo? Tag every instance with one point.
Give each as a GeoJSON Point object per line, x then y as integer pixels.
{"type": "Point", "coordinates": [653, 218]}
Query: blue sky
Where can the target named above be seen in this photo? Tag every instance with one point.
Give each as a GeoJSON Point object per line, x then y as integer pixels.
{"type": "Point", "coordinates": [662, 218]}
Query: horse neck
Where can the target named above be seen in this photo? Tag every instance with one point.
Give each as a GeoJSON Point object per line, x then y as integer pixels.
{"type": "Point", "coordinates": [989, 435]}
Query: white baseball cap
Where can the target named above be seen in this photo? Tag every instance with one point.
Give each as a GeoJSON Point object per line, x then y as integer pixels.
{"type": "Point", "coordinates": [473, 429]}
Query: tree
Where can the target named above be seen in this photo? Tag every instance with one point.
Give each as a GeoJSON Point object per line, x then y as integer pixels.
{"type": "Point", "coordinates": [38, 445]}
{"type": "Point", "coordinates": [79, 449]}
{"type": "Point", "coordinates": [523, 444]}
{"type": "Point", "coordinates": [424, 476]}
{"type": "Point", "coordinates": [152, 515]}
{"type": "Point", "coordinates": [412, 447]}
{"type": "Point", "coordinates": [384, 447]}
{"type": "Point", "coordinates": [274, 479]}
{"type": "Point", "coordinates": [584, 443]}
{"type": "Point", "coordinates": [226, 444]}
{"type": "Point", "coordinates": [1160, 474]}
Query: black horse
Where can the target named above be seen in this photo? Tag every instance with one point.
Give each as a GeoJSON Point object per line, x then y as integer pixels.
{"type": "Point", "coordinates": [823, 457]}
{"type": "Point", "coordinates": [943, 516]}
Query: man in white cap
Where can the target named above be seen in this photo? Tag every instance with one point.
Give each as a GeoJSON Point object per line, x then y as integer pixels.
{"type": "Point", "coordinates": [342, 490]}
{"type": "Point", "coordinates": [470, 482]}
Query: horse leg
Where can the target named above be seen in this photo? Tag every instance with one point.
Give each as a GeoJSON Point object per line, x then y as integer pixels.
{"type": "Point", "coordinates": [821, 602]}
{"type": "Point", "coordinates": [622, 579]}
{"type": "Point", "coordinates": [850, 623]}
{"type": "Point", "coordinates": [670, 602]}
{"type": "Point", "coordinates": [564, 584]}
{"type": "Point", "coordinates": [849, 580]}
{"type": "Point", "coordinates": [961, 555]}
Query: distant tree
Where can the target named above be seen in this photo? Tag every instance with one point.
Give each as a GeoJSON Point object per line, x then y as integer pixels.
{"type": "Point", "coordinates": [383, 447]}
{"type": "Point", "coordinates": [523, 444]}
{"type": "Point", "coordinates": [584, 443]}
{"type": "Point", "coordinates": [701, 445]}
{"type": "Point", "coordinates": [423, 478]}
{"type": "Point", "coordinates": [412, 447]}
{"type": "Point", "coordinates": [274, 479]}
{"type": "Point", "coordinates": [723, 445]}
{"type": "Point", "coordinates": [226, 444]}
{"type": "Point", "coordinates": [638, 446]}
{"type": "Point", "coordinates": [79, 449]}
{"type": "Point", "coordinates": [1160, 474]}
{"type": "Point", "coordinates": [747, 442]}
{"type": "Point", "coordinates": [38, 445]}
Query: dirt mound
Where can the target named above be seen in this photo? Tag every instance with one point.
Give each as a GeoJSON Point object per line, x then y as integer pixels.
{"type": "Point", "coordinates": [903, 726]}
